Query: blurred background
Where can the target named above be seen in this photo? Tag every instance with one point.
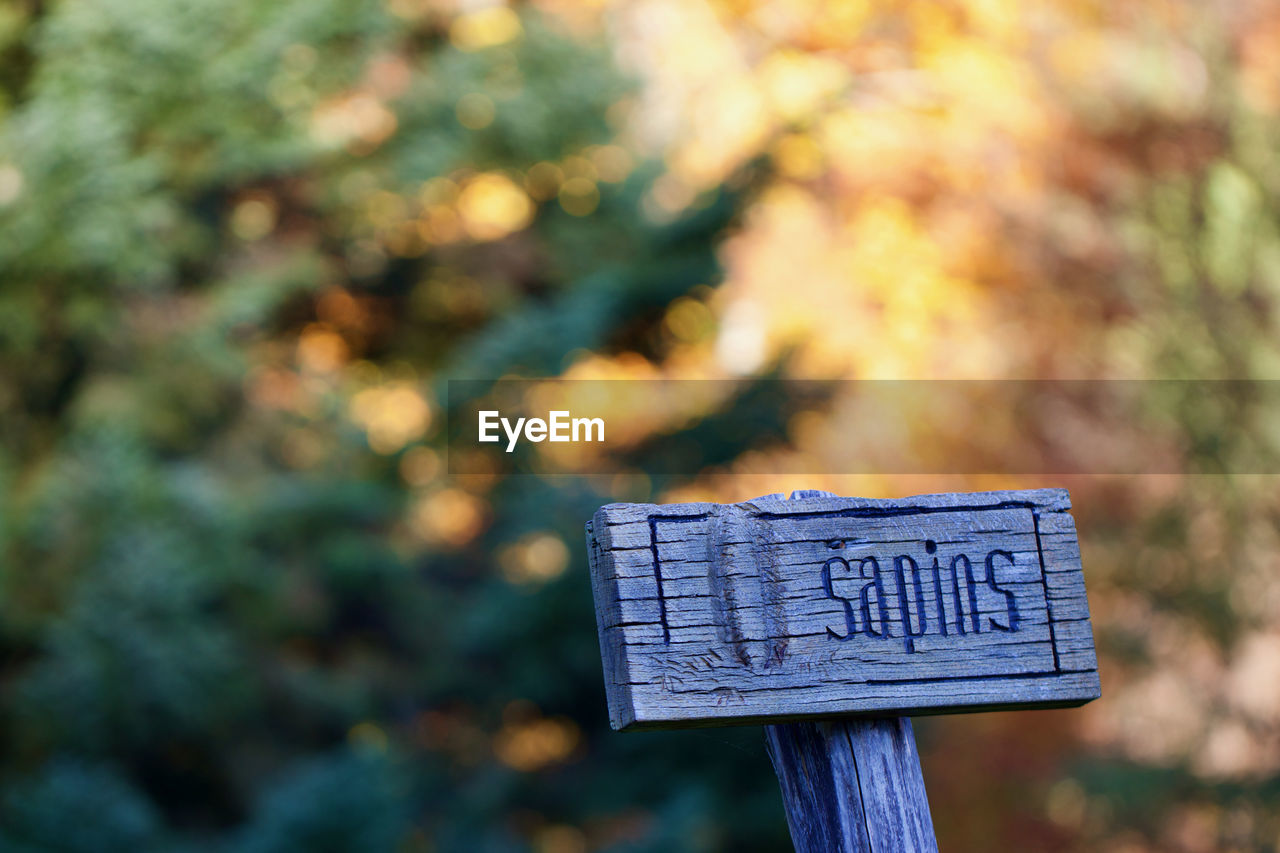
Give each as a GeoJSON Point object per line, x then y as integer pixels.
{"type": "Point", "coordinates": [244, 604]}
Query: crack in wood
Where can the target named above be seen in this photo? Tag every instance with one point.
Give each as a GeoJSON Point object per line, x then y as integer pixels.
{"type": "Point", "coordinates": [723, 603]}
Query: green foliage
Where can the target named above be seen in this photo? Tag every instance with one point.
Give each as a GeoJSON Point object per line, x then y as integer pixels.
{"type": "Point", "coordinates": [208, 645]}
{"type": "Point", "coordinates": [73, 807]}
{"type": "Point", "coordinates": [344, 801]}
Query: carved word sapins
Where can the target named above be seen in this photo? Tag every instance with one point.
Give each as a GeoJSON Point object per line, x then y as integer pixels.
{"type": "Point", "coordinates": [867, 608]}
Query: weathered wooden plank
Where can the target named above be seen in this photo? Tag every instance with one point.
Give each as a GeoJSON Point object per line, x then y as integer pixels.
{"type": "Point", "coordinates": [784, 609]}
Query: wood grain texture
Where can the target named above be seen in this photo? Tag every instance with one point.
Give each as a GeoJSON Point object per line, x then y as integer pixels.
{"type": "Point", "coordinates": [852, 786]}
{"type": "Point", "coordinates": [777, 609]}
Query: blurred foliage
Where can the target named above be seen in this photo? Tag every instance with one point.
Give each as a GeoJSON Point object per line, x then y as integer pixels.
{"type": "Point", "coordinates": [244, 606]}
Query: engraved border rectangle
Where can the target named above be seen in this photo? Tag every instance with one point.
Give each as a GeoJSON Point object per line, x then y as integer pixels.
{"type": "Point", "coordinates": [881, 512]}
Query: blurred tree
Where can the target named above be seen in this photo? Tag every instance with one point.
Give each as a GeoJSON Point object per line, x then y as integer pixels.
{"type": "Point", "coordinates": [238, 240]}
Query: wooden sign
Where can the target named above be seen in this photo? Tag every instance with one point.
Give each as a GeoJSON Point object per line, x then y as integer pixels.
{"type": "Point", "coordinates": [777, 609]}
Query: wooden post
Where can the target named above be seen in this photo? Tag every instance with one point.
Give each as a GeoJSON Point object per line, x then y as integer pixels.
{"type": "Point", "coordinates": [830, 620]}
{"type": "Point", "coordinates": [851, 786]}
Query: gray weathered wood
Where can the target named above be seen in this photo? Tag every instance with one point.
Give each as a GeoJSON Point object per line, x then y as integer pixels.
{"type": "Point", "coordinates": [754, 612]}
{"type": "Point", "coordinates": [852, 786]}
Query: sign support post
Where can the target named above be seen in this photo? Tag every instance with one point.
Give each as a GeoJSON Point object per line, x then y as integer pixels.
{"type": "Point", "coordinates": [831, 620]}
{"type": "Point", "coordinates": [851, 786]}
